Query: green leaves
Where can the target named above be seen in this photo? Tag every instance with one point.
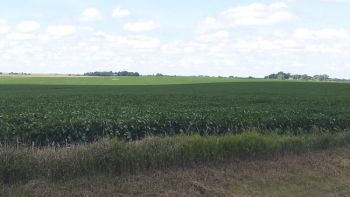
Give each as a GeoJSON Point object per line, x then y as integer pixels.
{"type": "Point", "coordinates": [79, 114]}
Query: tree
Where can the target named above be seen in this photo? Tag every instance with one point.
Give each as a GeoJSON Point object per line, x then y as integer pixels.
{"type": "Point", "coordinates": [280, 75]}
{"type": "Point", "coordinates": [323, 77]}
{"type": "Point", "coordinates": [110, 73]}
{"type": "Point", "coordinates": [126, 73]}
{"type": "Point", "coordinates": [283, 76]}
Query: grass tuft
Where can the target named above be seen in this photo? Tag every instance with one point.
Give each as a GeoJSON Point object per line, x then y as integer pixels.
{"type": "Point", "coordinates": [115, 157]}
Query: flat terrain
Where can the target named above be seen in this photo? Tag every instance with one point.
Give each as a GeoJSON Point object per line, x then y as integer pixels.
{"type": "Point", "coordinates": [173, 136]}
{"type": "Point", "coordinates": [325, 173]}
{"type": "Point", "coordinates": [85, 80]}
{"type": "Point", "coordinates": [47, 113]}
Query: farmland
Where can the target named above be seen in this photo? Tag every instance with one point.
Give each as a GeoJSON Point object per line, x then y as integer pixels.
{"type": "Point", "coordinates": [82, 80]}
{"type": "Point", "coordinates": [70, 113]}
{"type": "Point", "coordinates": [61, 128]}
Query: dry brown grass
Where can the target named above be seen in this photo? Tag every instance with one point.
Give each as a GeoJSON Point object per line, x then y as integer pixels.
{"type": "Point", "coordinates": [325, 173]}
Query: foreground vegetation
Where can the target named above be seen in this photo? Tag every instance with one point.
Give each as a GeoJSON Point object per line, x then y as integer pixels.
{"type": "Point", "coordinates": [116, 158]}
{"type": "Point", "coordinates": [316, 173]}
{"type": "Point", "coordinates": [63, 129]}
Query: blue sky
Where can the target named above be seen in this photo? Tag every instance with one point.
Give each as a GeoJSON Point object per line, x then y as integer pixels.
{"type": "Point", "coordinates": [192, 37]}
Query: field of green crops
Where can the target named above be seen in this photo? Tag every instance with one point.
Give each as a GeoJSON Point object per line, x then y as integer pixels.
{"type": "Point", "coordinates": [147, 80]}
{"type": "Point", "coordinates": [64, 110]}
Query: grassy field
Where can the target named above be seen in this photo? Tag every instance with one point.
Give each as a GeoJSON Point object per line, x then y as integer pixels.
{"type": "Point", "coordinates": [66, 128]}
{"type": "Point", "coordinates": [320, 173]}
{"type": "Point", "coordinates": [84, 80]}
{"type": "Point", "coordinates": [116, 158]}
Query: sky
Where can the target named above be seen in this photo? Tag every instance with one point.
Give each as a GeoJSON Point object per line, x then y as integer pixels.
{"type": "Point", "coordinates": [183, 37]}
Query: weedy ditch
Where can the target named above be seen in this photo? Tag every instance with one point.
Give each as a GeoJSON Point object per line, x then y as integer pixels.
{"type": "Point", "coordinates": [117, 158]}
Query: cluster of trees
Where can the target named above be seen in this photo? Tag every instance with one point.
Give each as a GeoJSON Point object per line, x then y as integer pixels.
{"type": "Point", "coordinates": [285, 76]}
{"type": "Point", "coordinates": [321, 77]}
{"type": "Point", "coordinates": [280, 75]}
{"type": "Point", "coordinates": [159, 75]}
{"type": "Point", "coordinates": [13, 73]}
{"type": "Point", "coordinates": [110, 73]}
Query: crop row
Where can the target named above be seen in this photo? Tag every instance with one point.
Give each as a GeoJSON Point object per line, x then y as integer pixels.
{"type": "Point", "coordinates": [43, 120]}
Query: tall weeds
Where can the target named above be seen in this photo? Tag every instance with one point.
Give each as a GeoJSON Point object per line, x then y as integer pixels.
{"type": "Point", "coordinates": [114, 157]}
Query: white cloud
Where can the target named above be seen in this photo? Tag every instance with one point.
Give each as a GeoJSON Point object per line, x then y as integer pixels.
{"type": "Point", "coordinates": [76, 54]}
{"type": "Point", "coordinates": [305, 33]}
{"type": "Point", "coordinates": [250, 15]}
{"type": "Point", "coordinates": [316, 51]}
{"type": "Point", "coordinates": [134, 42]}
{"type": "Point", "coordinates": [337, 1]}
{"type": "Point", "coordinates": [4, 27]}
{"type": "Point", "coordinates": [141, 26]}
{"type": "Point", "coordinates": [223, 45]}
{"type": "Point", "coordinates": [28, 26]}
{"type": "Point", "coordinates": [60, 31]}
{"type": "Point", "coordinates": [90, 15]}
{"type": "Point", "coordinates": [119, 12]}
{"type": "Point", "coordinates": [304, 50]}
{"type": "Point", "coordinates": [214, 37]}
{"type": "Point", "coordinates": [19, 36]}
{"type": "Point", "coordinates": [347, 65]}
{"type": "Point", "coordinates": [303, 40]}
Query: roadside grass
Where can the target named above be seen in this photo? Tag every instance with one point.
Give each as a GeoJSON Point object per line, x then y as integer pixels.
{"type": "Point", "coordinates": [314, 173]}
{"type": "Point", "coordinates": [117, 158]}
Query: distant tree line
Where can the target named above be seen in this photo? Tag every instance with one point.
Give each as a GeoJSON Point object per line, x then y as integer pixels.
{"type": "Point", "coordinates": [13, 73]}
{"type": "Point", "coordinates": [111, 74]}
{"type": "Point", "coordinates": [287, 76]}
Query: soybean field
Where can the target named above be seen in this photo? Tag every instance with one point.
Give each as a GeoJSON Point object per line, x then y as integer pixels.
{"type": "Point", "coordinates": [49, 110]}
